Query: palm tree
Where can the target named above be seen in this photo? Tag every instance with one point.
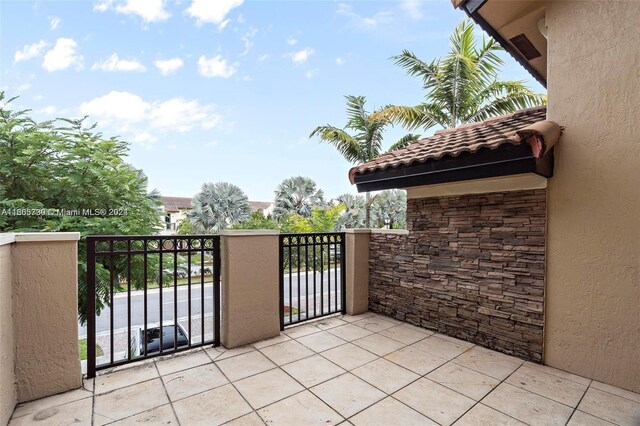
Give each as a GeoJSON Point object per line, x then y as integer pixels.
{"type": "Point", "coordinates": [462, 87]}
{"type": "Point", "coordinates": [297, 195]}
{"type": "Point", "coordinates": [353, 215]}
{"type": "Point", "coordinates": [366, 142]}
{"type": "Point", "coordinates": [217, 206]}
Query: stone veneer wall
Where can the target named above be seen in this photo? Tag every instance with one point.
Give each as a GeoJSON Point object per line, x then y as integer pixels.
{"type": "Point", "coordinates": [471, 267]}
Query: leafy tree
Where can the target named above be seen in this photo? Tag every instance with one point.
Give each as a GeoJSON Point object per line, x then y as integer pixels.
{"type": "Point", "coordinates": [218, 206]}
{"type": "Point", "coordinates": [257, 221]}
{"type": "Point", "coordinates": [185, 228]}
{"type": "Point", "coordinates": [297, 195]}
{"type": "Point", "coordinates": [354, 211]}
{"type": "Point", "coordinates": [68, 168]}
{"type": "Point", "coordinates": [390, 207]}
{"type": "Point", "coordinates": [366, 142]}
{"type": "Point", "coordinates": [462, 87]}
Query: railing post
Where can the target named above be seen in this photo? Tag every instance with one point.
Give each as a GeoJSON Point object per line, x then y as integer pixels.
{"type": "Point", "coordinates": [357, 270]}
{"type": "Point", "coordinates": [91, 308]}
{"type": "Point", "coordinates": [250, 281]}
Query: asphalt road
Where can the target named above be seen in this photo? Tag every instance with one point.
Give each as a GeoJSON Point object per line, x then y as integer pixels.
{"type": "Point", "coordinates": [325, 290]}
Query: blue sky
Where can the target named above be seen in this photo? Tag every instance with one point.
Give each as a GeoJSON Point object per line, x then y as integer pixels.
{"type": "Point", "coordinates": [221, 90]}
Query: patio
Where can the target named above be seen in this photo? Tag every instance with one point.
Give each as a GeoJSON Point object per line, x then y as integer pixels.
{"type": "Point", "coordinates": [362, 370]}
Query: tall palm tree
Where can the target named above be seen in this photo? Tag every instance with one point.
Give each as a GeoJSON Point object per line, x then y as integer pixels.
{"type": "Point", "coordinates": [366, 142]}
{"type": "Point", "coordinates": [462, 87]}
{"type": "Point", "coordinates": [217, 206]}
{"type": "Point", "coordinates": [297, 195]}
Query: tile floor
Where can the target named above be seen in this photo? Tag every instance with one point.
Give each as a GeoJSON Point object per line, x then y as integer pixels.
{"type": "Point", "coordinates": [359, 370]}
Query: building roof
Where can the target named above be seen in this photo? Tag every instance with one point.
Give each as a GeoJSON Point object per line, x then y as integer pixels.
{"type": "Point", "coordinates": [175, 204]}
{"type": "Point", "coordinates": [529, 126]}
{"type": "Point", "coordinates": [259, 205]}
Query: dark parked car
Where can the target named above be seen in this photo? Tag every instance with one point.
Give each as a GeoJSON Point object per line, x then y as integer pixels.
{"type": "Point", "coordinates": [152, 339]}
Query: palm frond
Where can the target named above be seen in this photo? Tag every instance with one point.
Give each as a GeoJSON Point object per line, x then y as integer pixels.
{"type": "Point", "coordinates": [345, 143]}
{"type": "Point", "coordinates": [404, 141]}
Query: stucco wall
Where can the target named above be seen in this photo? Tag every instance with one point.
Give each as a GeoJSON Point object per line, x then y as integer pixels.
{"type": "Point", "coordinates": [8, 395]}
{"type": "Point", "coordinates": [45, 315]}
{"type": "Point", "coordinates": [593, 280]}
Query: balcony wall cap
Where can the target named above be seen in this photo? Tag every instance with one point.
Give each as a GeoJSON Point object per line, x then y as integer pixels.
{"type": "Point", "coordinates": [356, 231]}
{"type": "Point", "coordinates": [46, 236]}
{"type": "Point", "coordinates": [7, 238]}
{"type": "Point", "coordinates": [249, 232]}
{"type": "Point", "coordinates": [390, 231]}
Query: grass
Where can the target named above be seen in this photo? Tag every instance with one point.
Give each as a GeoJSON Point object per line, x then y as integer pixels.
{"type": "Point", "coordinates": [82, 346]}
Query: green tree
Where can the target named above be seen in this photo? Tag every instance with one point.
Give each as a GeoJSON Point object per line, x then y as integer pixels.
{"type": "Point", "coordinates": [365, 144]}
{"type": "Point", "coordinates": [66, 167]}
{"type": "Point", "coordinates": [185, 228]}
{"type": "Point", "coordinates": [257, 221]}
{"type": "Point", "coordinates": [218, 206]}
{"type": "Point", "coordinates": [390, 208]}
{"type": "Point", "coordinates": [462, 87]}
{"type": "Point", "coordinates": [297, 195]}
{"type": "Point", "coordinates": [354, 211]}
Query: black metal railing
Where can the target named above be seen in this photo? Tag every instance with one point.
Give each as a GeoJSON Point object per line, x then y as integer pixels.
{"type": "Point", "coordinates": [312, 276]}
{"type": "Point", "coordinates": [149, 296]}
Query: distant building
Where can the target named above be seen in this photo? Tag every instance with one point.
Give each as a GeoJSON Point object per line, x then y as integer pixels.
{"type": "Point", "coordinates": [174, 211]}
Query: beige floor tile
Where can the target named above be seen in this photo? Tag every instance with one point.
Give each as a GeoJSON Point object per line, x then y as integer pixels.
{"type": "Point", "coordinates": [108, 382]}
{"type": "Point", "coordinates": [313, 370]}
{"type": "Point", "coordinates": [51, 401]}
{"type": "Point", "coordinates": [354, 318]}
{"type": "Point", "coordinates": [491, 363]}
{"type": "Point", "coordinates": [440, 347]}
{"type": "Point", "coordinates": [212, 407]}
{"type": "Point", "coordinates": [220, 353]}
{"type": "Point", "coordinates": [612, 408]}
{"type": "Point", "coordinates": [99, 420]}
{"type": "Point", "coordinates": [481, 415]}
{"type": "Point", "coordinates": [378, 344]}
{"type": "Point", "coordinates": [559, 373]}
{"type": "Point", "coordinates": [182, 362]}
{"type": "Point", "coordinates": [303, 408]}
{"type": "Point", "coordinates": [76, 412]}
{"type": "Point", "coordinates": [583, 419]}
{"type": "Point", "coordinates": [350, 332]}
{"type": "Point", "coordinates": [463, 380]}
{"type": "Point", "coordinates": [329, 323]}
{"type": "Point", "coordinates": [459, 342]}
{"type": "Point", "coordinates": [158, 416]}
{"type": "Point", "coordinates": [286, 352]}
{"type": "Point", "coordinates": [349, 356]}
{"type": "Point", "coordinates": [415, 360]}
{"type": "Point", "coordinates": [301, 330]}
{"type": "Point", "coordinates": [390, 412]}
{"type": "Point", "coordinates": [125, 402]}
{"type": "Point", "coordinates": [375, 324]}
{"type": "Point", "coordinates": [268, 342]}
{"type": "Point", "coordinates": [322, 341]}
{"type": "Point", "coordinates": [245, 365]}
{"type": "Point", "coordinates": [406, 333]}
{"type": "Point", "coordinates": [385, 375]}
{"type": "Point", "coordinates": [87, 384]}
{"type": "Point", "coordinates": [547, 385]}
{"type": "Point", "coordinates": [251, 419]}
{"type": "Point", "coordinates": [195, 380]}
{"type": "Point", "coordinates": [348, 394]}
{"type": "Point", "coordinates": [616, 391]}
{"type": "Point", "coordinates": [268, 387]}
{"type": "Point", "coordinates": [526, 406]}
{"type": "Point", "coordinates": [434, 401]}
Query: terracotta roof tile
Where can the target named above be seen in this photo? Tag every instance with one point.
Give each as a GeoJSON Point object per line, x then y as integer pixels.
{"type": "Point", "coordinates": [452, 142]}
{"type": "Point", "coordinates": [175, 204]}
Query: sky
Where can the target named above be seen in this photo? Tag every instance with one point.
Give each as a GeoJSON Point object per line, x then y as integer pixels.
{"type": "Point", "coordinates": [224, 90]}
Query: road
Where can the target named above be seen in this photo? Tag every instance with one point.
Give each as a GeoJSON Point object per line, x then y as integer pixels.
{"type": "Point", "coordinates": [153, 301]}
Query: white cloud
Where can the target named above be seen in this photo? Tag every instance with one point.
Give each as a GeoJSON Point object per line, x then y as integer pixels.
{"type": "Point", "coordinates": [63, 55]}
{"type": "Point", "coordinates": [54, 21]}
{"type": "Point", "coordinates": [311, 73]}
{"type": "Point", "coordinates": [363, 21]}
{"type": "Point", "coordinates": [212, 11]}
{"type": "Point", "coordinates": [148, 10]}
{"type": "Point", "coordinates": [168, 66]}
{"type": "Point", "coordinates": [413, 8]}
{"type": "Point", "coordinates": [301, 56]}
{"type": "Point", "coordinates": [248, 40]}
{"type": "Point", "coordinates": [141, 120]}
{"type": "Point", "coordinates": [263, 57]}
{"type": "Point", "coordinates": [215, 67]}
{"type": "Point", "coordinates": [30, 51]}
{"type": "Point", "coordinates": [340, 60]}
{"type": "Point", "coordinates": [291, 41]}
{"type": "Point", "coordinates": [114, 63]}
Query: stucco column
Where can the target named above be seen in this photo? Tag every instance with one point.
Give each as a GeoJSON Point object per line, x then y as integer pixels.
{"type": "Point", "coordinates": [250, 286]}
{"type": "Point", "coordinates": [44, 269]}
{"type": "Point", "coordinates": [357, 264]}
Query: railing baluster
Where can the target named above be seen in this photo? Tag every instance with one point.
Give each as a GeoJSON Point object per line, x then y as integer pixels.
{"type": "Point", "coordinates": [321, 276]}
{"type": "Point", "coordinates": [161, 291]}
{"type": "Point", "coordinates": [146, 279]}
{"type": "Point", "coordinates": [202, 290]}
{"type": "Point", "coordinates": [298, 253]}
{"type": "Point", "coordinates": [175, 294]}
{"type": "Point", "coordinates": [189, 288]}
{"type": "Point", "coordinates": [129, 299]}
{"type": "Point", "coordinates": [306, 274]}
{"type": "Point", "coordinates": [111, 310]}
{"type": "Point", "coordinates": [315, 272]}
{"type": "Point", "coordinates": [290, 283]}
{"type": "Point", "coordinates": [335, 270]}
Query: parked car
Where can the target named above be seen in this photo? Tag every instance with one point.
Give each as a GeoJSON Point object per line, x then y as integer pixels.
{"type": "Point", "coordinates": [152, 339]}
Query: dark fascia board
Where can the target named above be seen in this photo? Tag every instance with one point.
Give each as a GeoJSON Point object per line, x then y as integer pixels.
{"type": "Point", "coordinates": [506, 160]}
{"type": "Point", "coordinates": [472, 9]}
